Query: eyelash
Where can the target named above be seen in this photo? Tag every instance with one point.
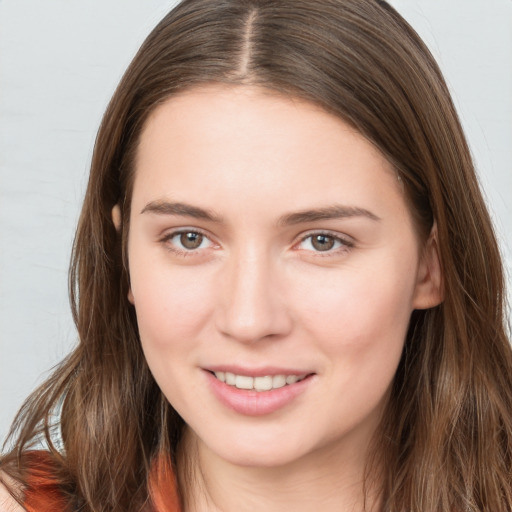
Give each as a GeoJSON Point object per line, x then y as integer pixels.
{"type": "Point", "coordinates": [183, 252]}
{"type": "Point", "coordinates": [344, 243]}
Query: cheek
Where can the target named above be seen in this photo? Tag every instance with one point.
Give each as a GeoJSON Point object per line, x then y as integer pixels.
{"type": "Point", "coordinates": [359, 321]}
{"type": "Point", "coordinates": [170, 302]}
{"type": "Point", "coordinates": [357, 311]}
{"type": "Point", "coordinates": [172, 308]}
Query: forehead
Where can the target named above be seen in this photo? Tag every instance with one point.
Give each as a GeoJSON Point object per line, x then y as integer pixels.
{"type": "Point", "coordinates": [237, 142]}
{"type": "Point", "coordinates": [216, 111]}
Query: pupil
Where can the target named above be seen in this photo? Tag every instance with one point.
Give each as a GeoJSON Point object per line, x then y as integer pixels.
{"type": "Point", "coordinates": [191, 240]}
{"type": "Point", "coordinates": [323, 242]}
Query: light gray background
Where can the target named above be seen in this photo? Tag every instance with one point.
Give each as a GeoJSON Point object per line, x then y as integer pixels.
{"type": "Point", "coordinates": [60, 61]}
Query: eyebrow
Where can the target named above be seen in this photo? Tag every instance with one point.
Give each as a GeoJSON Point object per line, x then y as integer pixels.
{"type": "Point", "coordinates": [326, 213]}
{"type": "Point", "coordinates": [329, 212]}
{"type": "Point", "coordinates": [183, 209]}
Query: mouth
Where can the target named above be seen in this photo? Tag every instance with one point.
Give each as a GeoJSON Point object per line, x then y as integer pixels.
{"type": "Point", "coordinates": [263, 391]}
{"type": "Point", "coordinates": [262, 383]}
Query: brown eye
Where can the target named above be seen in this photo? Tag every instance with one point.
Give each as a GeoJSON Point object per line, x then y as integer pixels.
{"type": "Point", "coordinates": [322, 242]}
{"type": "Point", "coordinates": [191, 240]}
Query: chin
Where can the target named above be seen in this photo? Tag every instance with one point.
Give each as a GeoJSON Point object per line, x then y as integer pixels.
{"type": "Point", "coordinates": [258, 458]}
{"type": "Point", "coordinates": [266, 450]}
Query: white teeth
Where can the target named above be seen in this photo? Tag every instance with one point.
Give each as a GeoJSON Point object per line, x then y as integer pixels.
{"type": "Point", "coordinates": [291, 379]}
{"type": "Point", "coordinates": [243, 382]}
{"type": "Point", "coordinates": [278, 381]}
{"type": "Point", "coordinates": [265, 383]}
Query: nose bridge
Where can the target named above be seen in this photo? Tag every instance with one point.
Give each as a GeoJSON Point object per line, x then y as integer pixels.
{"type": "Point", "coordinates": [251, 307]}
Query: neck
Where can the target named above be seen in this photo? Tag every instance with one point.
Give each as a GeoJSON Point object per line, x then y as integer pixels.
{"type": "Point", "coordinates": [326, 480]}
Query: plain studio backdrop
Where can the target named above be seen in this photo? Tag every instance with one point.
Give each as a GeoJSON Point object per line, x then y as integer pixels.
{"type": "Point", "coordinates": [59, 64]}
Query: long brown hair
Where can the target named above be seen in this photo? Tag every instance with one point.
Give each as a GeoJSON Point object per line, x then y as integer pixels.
{"type": "Point", "coordinates": [446, 435]}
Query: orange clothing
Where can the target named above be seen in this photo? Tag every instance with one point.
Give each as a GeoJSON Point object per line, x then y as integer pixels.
{"type": "Point", "coordinates": [44, 495]}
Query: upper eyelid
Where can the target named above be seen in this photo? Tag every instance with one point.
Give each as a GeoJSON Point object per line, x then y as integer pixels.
{"type": "Point", "coordinates": [333, 234]}
{"type": "Point", "coordinates": [168, 235]}
{"type": "Point", "coordinates": [166, 238]}
{"type": "Point", "coordinates": [346, 244]}
{"type": "Point", "coordinates": [177, 231]}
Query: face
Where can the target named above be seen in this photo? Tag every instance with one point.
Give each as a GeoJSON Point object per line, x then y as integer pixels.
{"type": "Point", "coordinates": [274, 267]}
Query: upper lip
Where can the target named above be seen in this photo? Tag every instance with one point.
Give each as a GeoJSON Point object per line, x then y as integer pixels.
{"type": "Point", "coordinates": [257, 371]}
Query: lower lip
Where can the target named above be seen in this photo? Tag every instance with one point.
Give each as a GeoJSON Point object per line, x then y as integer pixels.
{"type": "Point", "coordinates": [256, 403]}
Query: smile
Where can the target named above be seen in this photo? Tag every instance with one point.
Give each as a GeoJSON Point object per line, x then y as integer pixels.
{"type": "Point", "coordinates": [257, 395]}
{"type": "Point", "coordinates": [265, 383]}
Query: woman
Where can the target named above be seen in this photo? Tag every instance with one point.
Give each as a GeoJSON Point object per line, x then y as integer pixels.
{"type": "Point", "coordinates": [277, 303]}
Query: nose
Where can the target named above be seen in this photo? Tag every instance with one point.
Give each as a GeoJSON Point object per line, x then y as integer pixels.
{"type": "Point", "coordinates": [251, 303]}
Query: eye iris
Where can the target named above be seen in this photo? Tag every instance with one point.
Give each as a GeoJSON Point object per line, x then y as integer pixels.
{"type": "Point", "coordinates": [191, 240]}
{"type": "Point", "coordinates": [322, 242]}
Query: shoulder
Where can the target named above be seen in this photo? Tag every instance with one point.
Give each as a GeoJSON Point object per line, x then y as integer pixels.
{"type": "Point", "coordinates": [7, 502]}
